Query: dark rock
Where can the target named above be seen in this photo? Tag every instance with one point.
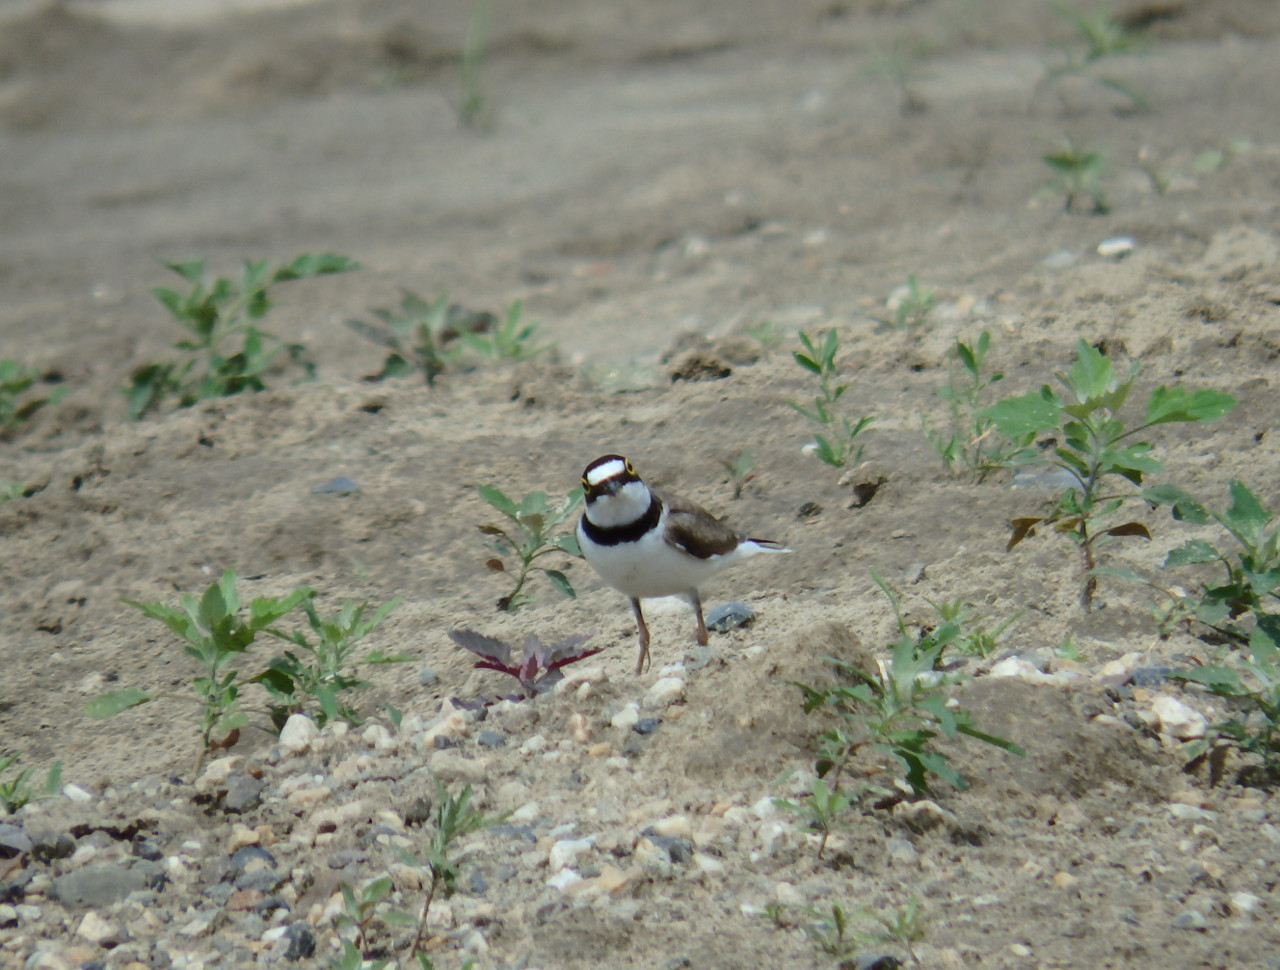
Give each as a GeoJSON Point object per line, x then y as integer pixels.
{"type": "Point", "coordinates": [418, 812]}
{"type": "Point", "coordinates": [476, 883]}
{"type": "Point", "coordinates": [491, 739]}
{"type": "Point", "coordinates": [1152, 676]}
{"type": "Point", "coordinates": [302, 942]}
{"type": "Point", "coordinates": [219, 892]}
{"type": "Point", "coordinates": [146, 849]}
{"type": "Point", "coordinates": [681, 962]}
{"type": "Point", "coordinates": [13, 841]}
{"type": "Point", "coordinates": [345, 857]}
{"type": "Point", "coordinates": [872, 961]}
{"type": "Point", "coordinates": [270, 904]}
{"type": "Point", "coordinates": [50, 847]}
{"type": "Point", "coordinates": [646, 725]}
{"type": "Point", "coordinates": [244, 794]}
{"type": "Point", "coordinates": [15, 889]}
{"type": "Point", "coordinates": [264, 880]}
{"type": "Point", "coordinates": [680, 850]}
{"type": "Point", "coordinates": [243, 857]}
{"type": "Point", "coordinates": [729, 616]}
{"type": "Point", "coordinates": [342, 485]}
{"type": "Point", "coordinates": [97, 886]}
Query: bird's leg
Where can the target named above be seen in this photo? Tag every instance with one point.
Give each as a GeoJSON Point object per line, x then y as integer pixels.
{"type": "Point", "coordinates": [697, 610]}
{"type": "Point", "coordinates": [642, 661]}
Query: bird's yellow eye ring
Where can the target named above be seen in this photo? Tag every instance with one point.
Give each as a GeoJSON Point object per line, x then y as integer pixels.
{"type": "Point", "coordinates": [586, 485]}
{"type": "Point", "coordinates": [630, 468]}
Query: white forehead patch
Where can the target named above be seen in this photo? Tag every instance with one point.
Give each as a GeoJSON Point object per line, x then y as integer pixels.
{"type": "Point", "coordinates": [602, 473]}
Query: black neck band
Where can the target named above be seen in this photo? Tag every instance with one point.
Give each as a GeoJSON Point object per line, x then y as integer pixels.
{"type": "Point", "coordinates": [613, 535]}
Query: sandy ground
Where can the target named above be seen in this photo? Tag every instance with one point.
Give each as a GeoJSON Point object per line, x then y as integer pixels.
{"type": "Point", "coordinates": [655, 181]}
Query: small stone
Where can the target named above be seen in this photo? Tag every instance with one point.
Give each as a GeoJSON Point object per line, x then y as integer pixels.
{"type": "Point", "coordinates": [1244, 902]}
{"type": "Point", "coordinates": [378, 737]}
{"type": "Point", "coordinates": [491, 739]}
{"type": "Point", "coordinates": [244, 794]}
{"type": "Point", "coordinates": [901, 852]}
{"type": "Point", "coordinates": [565, 852]}
{"type": "Point", "coordinates": [427, 676]}
{"type": "Point", "coordinates": [342, 485]}
{"type": "Point", "coordinates": [97, 930]}
{"type": "Point", "coordinates": [646, 725]}
{"type": "Point", "coordinates": [729, 616]}
{"type": "Point", "coordinates": [786, 894]}
{"type": "Point", "coordinates": [580, 728]}
{"type": "Point", "coordinates": [251, 858]}
{"type": "Point", "coordinates": [1190, 919]}
{"type": "Point", "coordinates": [708, 864]}
{"type": "Point", "coordinates": [13, 841]}
{"type": "Point", "coordinates": [302, 942]}
{"type": "Point", "coordinates": [75, 793]}
{"type": "Point", "coordinates": [673, 826]}
{"type": "Point", "coordinates": [1177, 719]}
{"type": "Point", "coordinates": [627, 717]}
{"type": "Point", "coordinates": [346, 857]}
{"type": "Point", "coordinates": [1117, 248]}
{"type": "Point", "coordinates": [1064, 880]}
{"type": "Point", "coordinates": [881, 961]}
{"type": "Point", "coordinates": [1151, 676]}
{"type": "Point", "coordinates": [664, 692]}
{"type": "Point", "coordinates": [241, 836]}
{"type": "Point", "coordinates": [653, 859]}
{"type": "Point", "coordinates": [534, 744]}
{"type": "Point", "coordinates": [8, 916]}
{"type": "Point", "coordinates": [98, 886]}
{"type": "Point", "coordinates": [147, 850]}
{"type": "Point", "coordinates": [298, 734]}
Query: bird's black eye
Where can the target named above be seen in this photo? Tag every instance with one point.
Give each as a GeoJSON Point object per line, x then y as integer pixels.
{"type": "Point", "coordinates": [586, 485]}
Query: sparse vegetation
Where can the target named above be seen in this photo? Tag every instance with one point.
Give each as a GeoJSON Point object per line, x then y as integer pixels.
{"type": "Point", "coordinates": [741, 469]}
{"type": "Point", "coordinates": [226, 352]}
{"type": "Point", "coordinates": [529, 535]}
{"type": "Point", "coordinates": [20, 396]}
{"type": "Point", "coordinates": [18, 787]}
{"type": "Point", "coordinates": [884, 721]}
{"type": "Point", "coordinates": [1077, 177]}
{"type": "Point", "coordinates": [476, 111]}
{"type": "Point", "coordinates": [1095, 448]}
{"type": "Point", "coordinates": [910, 304]}
{"type": "Point", "coordinates": [838, 445]}
{"type": "Point", "coordinates": [422, 337]}
{"type": "Point", "coordinates": [1102, 37]}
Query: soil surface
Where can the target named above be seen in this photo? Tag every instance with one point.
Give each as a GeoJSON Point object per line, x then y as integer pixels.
{"type": "Point", "coordinates": [673, 189]}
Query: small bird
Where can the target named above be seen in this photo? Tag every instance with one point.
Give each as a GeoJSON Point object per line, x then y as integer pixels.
{"type": "Point", "coordinates": [645, 542]}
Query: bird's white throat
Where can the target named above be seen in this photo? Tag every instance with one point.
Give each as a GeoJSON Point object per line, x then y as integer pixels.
{"type": "Point", "coordinates": [623, 507]}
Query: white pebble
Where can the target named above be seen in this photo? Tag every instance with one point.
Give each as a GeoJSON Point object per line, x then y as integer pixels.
{"type": "Point", "coordinates": [76, 794]}
{"type": "Point", "coordinates": [664, 692]}
{"type": "Point", "coordinates": [627, 718]}
{"type": "Point", "coordinates": [298, 734]}
{"type": "Point", "coordinates": [378, 737]}
{"type": "Point", "coordinates": [563, 879]}
{"type": "Point", "coordinates": [1177, 719]}
{"type": "Point", "coordinates": [565, 852]}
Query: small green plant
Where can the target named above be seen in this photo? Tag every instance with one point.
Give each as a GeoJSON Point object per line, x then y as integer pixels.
{"type": "Point", "coordinates": [213, 632]}
{"type": "Point", "coordinates": [766, 333]}
{"type": "Point", "coordinates": [972, 637]}
{"type": "Point", "coordinates": [310, 681]}
{"type": "Point", "coordinates": [18, 404]}
{"type": "Point", "coordinates": [823, 810]}
{"type": "Point", "coordinates": [1077, 175]}
{"type": "Point", "coordinates": [970, 445]}
{"type": "Point", "coordinates": [474, 111]}
{"type": "Point", "coordinates": [455, 817]}
{"type": "Point", "coordinates": [886, 720]}
{"type": "Point", "coordinates": [226, 352]}
{"type": "Point", "coordinates": [19, 788]}
{"type": "Point", "coordinates": [538, 669]}
{"type": "Point", "coordinates": [1250, 577]}
{"type": "Point", "coordinates": [511, 339]}
{"type": "Point", "coordinates": [528, 537]}
{"type": "Point", "coordinates": [899, 63]}
{"type": "Point", "coordinates": [832, 932]}
{"type": "Point", "coordinates": [11, 490]}
{"type": "Point", "coordinates": [1095, 448]}
{"type": "Point", "coordinates": [838, 445]}
{"type": "Point", "coordinates": [741, 469]}
{"type": "Point", "coordinates": [910, 305]}
{"type": "Point", "coordinates": [1253, 684]}
{"type": "Point", "coordinates": [1103, 37]}
{"type": "Point", "coordinates": [422, 336]}
{"type": "Point", "coordinates": [362, 905]}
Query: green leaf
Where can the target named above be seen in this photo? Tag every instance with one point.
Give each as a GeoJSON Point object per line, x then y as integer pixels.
{"type": "Point", "coordinates": [1192, 551]}
{"type": "Point", "coordinates": [495, 497]}
{"type": "Point", "coordinates": [109, 705]}
{"type": "Point", "coordinates": [1185, 507]}
{"type": "Point", "coordinates": [1177, 404]}
{"type": "Point", "coordinates": [1091, 375]}
{"type": "Point", "coordinates": [1246, 516]}
{"type": "Point", "coordinates": [561, 582]}
{"type": "Point", "coordinates": [808, 363]}
{"type": "Point", "coordinates": [1026, 414]}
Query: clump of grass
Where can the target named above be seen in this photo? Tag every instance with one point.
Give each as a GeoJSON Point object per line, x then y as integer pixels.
{"type": "Point", "coordinates": [422, 336]}
{"type": "Point", "coordinates": [910, 305]}
{"type": "Point", "coordinates": [1096, 449]}
{"type": "Point", "coordinates": [839, 444]}
{"type": "Point", "coordinates": [21, 396]}
{"type": "Point", "coordinates": [19, 787]}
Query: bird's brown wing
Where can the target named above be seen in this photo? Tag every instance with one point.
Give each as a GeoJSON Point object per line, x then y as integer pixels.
{"type": "Point", "coordinates": [695, 530]}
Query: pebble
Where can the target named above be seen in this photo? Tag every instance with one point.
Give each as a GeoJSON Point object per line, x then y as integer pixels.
{"type": "Point", "coordinates": [241, 836]}
{"type": "Point", "coordinates": [302, 942]}
{"type": "Point", "coordinates": [653, 859]}
{"type": "Point", "coordinates": [1190, 919]}
{"type": "Point", "coordinates": [1116, 248]}
{"type": "Point", "coordinates": [885, 961]}
{"type": "Point", "coordinates": [708, 864]}
{"type": "Point", "coordinates": [378, 737]}
{"type": "Point", "coordinates": [97, 886]}
{"type": "Point", "coordinates": [1177, 719]}
{"type": "Point", "coordinates": [580, 728]}
{"type": "Point", "coordinates": [729, 616]}
{"type": "Point", "coordinates": [664, 692]}
{"type": "Point", "coordinates": [1151, 676]}
{"type": "Point", "coordinates": [97, 930]}
{"type": "Point", "coordinates": [1244, 902]}
{"type": "Point", "coordinates": [75, 793]}
{"type": "Point", "coordinates": [565, 852]}
{"type": "Point", "coordinates": [8, 916]}
{"type": "Point", "coordinates": [491, 739]}
{"type": "Point", "coordinates": [901, 852]}
{"type": "Point", "coordinates": [787, 894]}
{"type": "Point", "coordinates": [244, 794]}
{"type": "Point", "coordinates": [298, 734]}
{"type": "Point", "coordinates": [47, 848]}
{"type": "Point", "coordinates": [626, 718]}
{"type": "Point", "coordinates": [673, 826]}
{"type": "Point", "coordinates": [13, 841]}
{"type": "Point", "coordinates": [342, 485]}
{"type": "Point", "coordinates": [427, 676]}
{"type": "Point", "coordinates": [646, 725]}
